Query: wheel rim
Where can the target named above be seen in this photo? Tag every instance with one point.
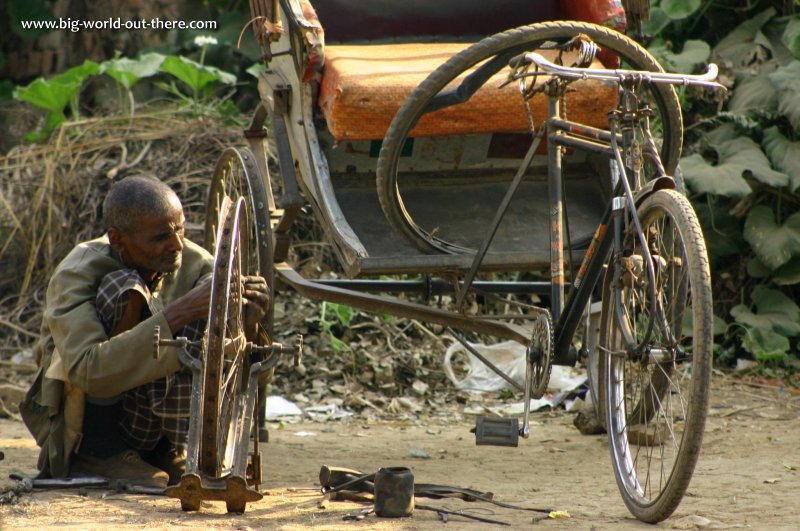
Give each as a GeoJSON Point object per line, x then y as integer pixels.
{"type": "Point", "coordinates": [225, 342]}
{"type": "Point", "coordinates": [236, 175]}
{"type": "Point", "coordinates": [657, 400]}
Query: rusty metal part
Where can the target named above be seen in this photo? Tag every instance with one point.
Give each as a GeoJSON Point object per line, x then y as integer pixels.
{"type": "Point", "coordinates": [234, 491]}
{"type": "Point", "coordinates": [28, 483]}
{"type": "Point", "coordinates": [540, 354]}
{"type": "Point", "coordinates": [225, 384]}
{"type": "Point", "coordinates": [399, 308]}
{"type": "Point", "coordinates": [225, 323]}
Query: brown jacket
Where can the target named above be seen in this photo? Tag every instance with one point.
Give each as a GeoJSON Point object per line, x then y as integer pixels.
{"type": "Point", "coordinates": [76, 357]}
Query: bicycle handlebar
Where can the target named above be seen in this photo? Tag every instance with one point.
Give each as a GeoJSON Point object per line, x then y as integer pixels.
{"type": "Point", "coordinates": [706, 79]}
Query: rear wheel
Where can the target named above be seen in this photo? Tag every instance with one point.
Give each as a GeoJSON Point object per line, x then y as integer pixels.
{"type": "Point", "coordinates": [437, 91]}
{"type": "Point", "coordinates": [656, 359]}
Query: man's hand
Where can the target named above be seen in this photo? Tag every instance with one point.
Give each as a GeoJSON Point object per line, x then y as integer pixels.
{"type": "Point", "coordinates": [256, 299]}
{"type": "Point", "coordinates": [190, 307]}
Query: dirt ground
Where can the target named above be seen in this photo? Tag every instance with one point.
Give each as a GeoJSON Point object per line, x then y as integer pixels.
{"type": "Point", "coordinates": [747, 476]}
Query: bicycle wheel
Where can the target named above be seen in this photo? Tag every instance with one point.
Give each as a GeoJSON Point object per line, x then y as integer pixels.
{"type": "Point", "coordinates": [224, 364]}
{"type": "Point", "coordinates": [656, 365]}
{"type": "Point", "coordinates": [237, 175]}
{"type": "Point", "coordinates": [494, 53]}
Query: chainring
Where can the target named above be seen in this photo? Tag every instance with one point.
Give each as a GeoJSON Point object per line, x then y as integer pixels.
{"type": "Point", "coordinates": [540, 354]}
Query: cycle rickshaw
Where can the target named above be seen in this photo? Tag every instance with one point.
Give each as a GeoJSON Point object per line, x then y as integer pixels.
{"type": "Point", "coordinates": [441, 164]}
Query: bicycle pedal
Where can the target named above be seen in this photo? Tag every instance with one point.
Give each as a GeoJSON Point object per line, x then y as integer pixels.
{"type": "Point", "coordinates": [496, 431]}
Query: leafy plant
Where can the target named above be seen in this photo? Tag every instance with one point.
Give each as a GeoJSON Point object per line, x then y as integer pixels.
{"type": "Point", "coordinates": [335, 315]}
{"type": "Point", "coordinates": [54, 94]}
{"type": "Point", "coordinates": [196, 75]}
{"type": "Point", "coordinates": [58, 92]}
{"type": "Point", "coordinates": [128, 72]}
{"type": "Point", "coordinates": [743, 174]}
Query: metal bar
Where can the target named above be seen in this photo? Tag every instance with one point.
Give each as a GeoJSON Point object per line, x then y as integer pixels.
{"type": "Point", "coordinates": [579, 129]}
{"type": "Point", "coordinates": [291, 193]}
{"type": "Point", "coordinates": [498, 217]}
{"type": "Point", "coordinates": [485, 361]}
{"type": "Point", "coordinates": [582, 144]}
{"type": "Point", "coordinates": [315, 290]}
{"type": "Point", "coordinates": [435, 286]}
{"type": "Point", "coordinates": [193, 438]}
{"type": "Point", "coordinates": [706, 79]}
{"type": "Point", "coordinates": [588, 275]}
{"type": "Point", "coordinates": [555, 202]}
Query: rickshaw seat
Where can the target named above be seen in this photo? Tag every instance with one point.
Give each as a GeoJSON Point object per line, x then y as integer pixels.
{"type": "Point", "coordinates": [363, 86]}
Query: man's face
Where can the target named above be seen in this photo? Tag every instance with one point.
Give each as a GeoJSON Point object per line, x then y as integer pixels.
{"type": "Point", "coordinates": [154, 245]}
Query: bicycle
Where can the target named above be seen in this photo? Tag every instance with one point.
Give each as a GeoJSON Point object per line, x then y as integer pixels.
{"type": "Point", "coordinates": [656, 322]}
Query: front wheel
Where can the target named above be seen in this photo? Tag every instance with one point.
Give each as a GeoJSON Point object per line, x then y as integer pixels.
{"type": "Point", "coordinates": [656, 358]}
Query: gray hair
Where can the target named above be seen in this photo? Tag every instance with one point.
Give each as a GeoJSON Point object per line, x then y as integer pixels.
{"type": "Point", "coordinates": [133, 197]}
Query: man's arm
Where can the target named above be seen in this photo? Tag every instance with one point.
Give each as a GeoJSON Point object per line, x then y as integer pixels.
{"type": "Point", "coordinates": [94, 363]}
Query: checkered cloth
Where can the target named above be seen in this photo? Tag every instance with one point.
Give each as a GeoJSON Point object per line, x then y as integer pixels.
{"type": "Point", "coordinates": [159, 408]}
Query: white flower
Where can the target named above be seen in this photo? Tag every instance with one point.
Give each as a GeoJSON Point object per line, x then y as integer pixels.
{"type": "Point", "coordinates": [204, 40]}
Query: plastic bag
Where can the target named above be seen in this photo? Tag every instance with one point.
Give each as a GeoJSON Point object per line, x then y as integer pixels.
{"type": "Point", "coordinates": [508, 356]}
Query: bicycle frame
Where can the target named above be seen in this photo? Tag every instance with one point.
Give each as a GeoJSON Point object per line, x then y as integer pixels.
{"type": "Point", "coordinates": [561, 134]}
{"type": "Point", "coordinates": [567, 313]}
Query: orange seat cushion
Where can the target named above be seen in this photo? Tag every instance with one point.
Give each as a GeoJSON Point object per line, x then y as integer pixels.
{"type": "Point", "coordinates": [363, 86]}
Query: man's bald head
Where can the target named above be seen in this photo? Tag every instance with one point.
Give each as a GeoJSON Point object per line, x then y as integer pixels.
{"type": "Point", "coordinates": [134, 197]}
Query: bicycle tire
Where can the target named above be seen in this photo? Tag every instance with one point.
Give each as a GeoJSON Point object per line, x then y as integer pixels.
{"type": "Point", "coordinates": [225, 342]}
{"type": "Point", "coordinates": [237, 174]}
{"type": "Point", "coordinates": [655, 410]}
{"type": "Point", "coordinates": [510, 43]}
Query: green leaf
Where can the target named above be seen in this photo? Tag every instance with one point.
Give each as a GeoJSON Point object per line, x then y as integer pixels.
{"type": "Point", "coordinates": [55, 93]}
{"type": "Point", "coordinates": [757, 269]}
{"type": "Point", "coordinates": [194, 74]}
{"type": "Point", "coordinates": [742, 47]}
{"type": "Point", "coordinates": [774, 245]}
{"type": "Point", "coordinates": [78, 73]}
{"type": "Point", "coordinates": [343, 312]}
{"type": "Point", "coordinates": [723, 231]}
{"type": "Point", "coordinates": [256, 69]}
{"type": "Point", "coordinates": [756, 92]}
{"type": "Point", "coordinates": [720, 326]}
{"type": "Point", "coordinates": [46, 94]}
{"type": "Point", "coordinates": [721, 134]}
{"type": "Point", "coordinates": [679, 9]}
{"type": "Point", "coordinates": [694, 52]}
{"type": "Point", "coordinates": [789, 273]}
{"type": "Point", "coordinates": [791, 36]}
{"type": "Point", "coordinates": [128, 72]}
{"type": "Point", "coordinates": [784, 154]}
{"type": "Point", "coordinates": [658, 21]}
{"type": "Point", "coordinates": [766, 345]}
{"type": "Point", "coordinates": [787, 79]}
{"type": "Point", "coordinates": [774, 311]}
{"type": "Point", "coordinates": [726, 178]}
